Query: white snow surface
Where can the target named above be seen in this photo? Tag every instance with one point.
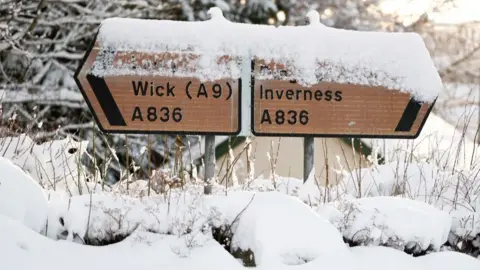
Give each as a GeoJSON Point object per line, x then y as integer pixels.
{"type": "Point", "coordinates": [174, 231]}
{"type": "Point", "coordinates": [262, 227]}
{"type": "Point", "coordinates": [23, 249]}
{"type": "Point", "coordinates": [312, 53]}
{"type": "Point", "coordinates": [391, 259]}
{"type": "Point", "coordinates": [21, 198]}
{"type": "Point", "coordinates": [398, 222]}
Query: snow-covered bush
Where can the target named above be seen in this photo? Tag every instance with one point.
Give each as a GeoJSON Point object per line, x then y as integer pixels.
{"type": "Point", "coordinates": [456, 192]}
{"type": "Point", "coordinates": [239, 221]}
{"type": "Point", "coordinates": [106, 219]}
{"type": "Point", "coordinates": [405, 224]}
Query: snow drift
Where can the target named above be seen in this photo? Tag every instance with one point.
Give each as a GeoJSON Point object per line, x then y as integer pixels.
{"type": "Point", "coordinates": [21, 198]}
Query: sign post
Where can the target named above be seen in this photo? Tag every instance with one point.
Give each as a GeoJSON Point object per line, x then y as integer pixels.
{"type": "Point", "coordinates": [308, 157]}
{"type": "Point", "coordinates": [186, 78]}
{"type": "Point", "coordinates": [209, 163]}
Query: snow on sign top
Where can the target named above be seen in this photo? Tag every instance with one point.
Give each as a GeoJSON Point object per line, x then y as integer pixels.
{"type": "Point", "coordinates": [398, 61]}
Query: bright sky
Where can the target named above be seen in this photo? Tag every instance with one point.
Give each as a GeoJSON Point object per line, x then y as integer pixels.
{"type": "Point", "coordinates": [463, 11]}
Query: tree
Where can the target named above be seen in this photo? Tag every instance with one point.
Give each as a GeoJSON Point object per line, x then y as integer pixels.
{"type": "Point", "coordinates": [41, 44]}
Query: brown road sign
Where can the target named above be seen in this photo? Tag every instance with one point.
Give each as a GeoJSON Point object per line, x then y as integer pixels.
{"type": "Point", "coordinates": [285, 108]}
{"type": "Point", "coordinates": [149, 103]}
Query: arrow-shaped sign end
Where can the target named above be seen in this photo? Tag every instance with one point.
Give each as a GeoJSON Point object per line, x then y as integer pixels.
{"type": "Point", "coordinates": [409, 116]}
{"type": "Point", "coordinates": [106, 101]}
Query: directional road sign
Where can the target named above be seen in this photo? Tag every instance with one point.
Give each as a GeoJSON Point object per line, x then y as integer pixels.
{"type": "Point", "coordinates": [144, 102]}
{"type": "Point", "coordinates": [282, 107]}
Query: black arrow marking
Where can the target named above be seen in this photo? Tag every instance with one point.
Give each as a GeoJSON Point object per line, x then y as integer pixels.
{"type": "Point", "coordinates": [106, 101]}
{"type": "Point", "coordinates": [409, 115]}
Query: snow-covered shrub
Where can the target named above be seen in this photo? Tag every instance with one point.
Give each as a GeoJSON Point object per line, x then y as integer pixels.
{"type": "Point", "coordinates": [465, 233]}
{"type": "Point", "coordinates": [98, 219]}
{"type": "Point", "coordinates": [239, 221]}
{"type": "Point", "coordinates": [456, 192]}
{"type": "Point", "coordinates": [404, 224]}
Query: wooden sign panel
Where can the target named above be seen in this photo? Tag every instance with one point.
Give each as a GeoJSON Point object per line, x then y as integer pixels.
{"type": "Point", "coordinates": [149, 103]}
{"type": "Point", "coordinates": [285, 108]}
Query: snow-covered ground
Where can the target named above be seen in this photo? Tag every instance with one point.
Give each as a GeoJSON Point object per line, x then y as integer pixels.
{"type": "Point", "coordinates": [281, 226]}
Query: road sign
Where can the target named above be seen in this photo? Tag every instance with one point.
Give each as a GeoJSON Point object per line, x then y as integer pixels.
{"type": "Point", "coordinates": [282, 107]}
{"type": "Point", "coordinates": [145, 102]}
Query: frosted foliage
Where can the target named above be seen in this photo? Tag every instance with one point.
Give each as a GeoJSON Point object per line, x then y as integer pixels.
{"type": "Point", "coordinates": [54, 165]}
{"type": "Point", "coordinates": [38, 58]}
{"type": "Point", "coordinates": [398, 222]}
